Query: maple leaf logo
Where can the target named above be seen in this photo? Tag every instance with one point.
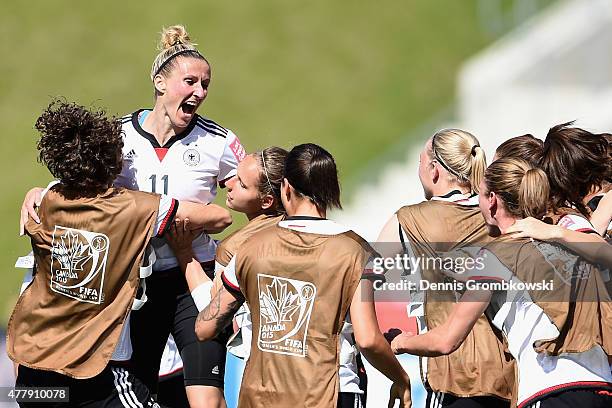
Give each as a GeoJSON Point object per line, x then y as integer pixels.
{"type": "Point", "coordinates": [277, 304]}
{"type": "Point", "coordinates": [71, 252]}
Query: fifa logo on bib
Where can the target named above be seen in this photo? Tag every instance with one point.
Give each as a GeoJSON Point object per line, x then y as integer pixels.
{"type": "Point", "coordinates": [78, 264]}
{"type": "Point", "coordinates": [285, 307]}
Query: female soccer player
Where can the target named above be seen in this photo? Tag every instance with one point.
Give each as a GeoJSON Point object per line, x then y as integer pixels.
{"type": "Point", "coordinates": [560, 336]}
{"type": "Point", "coordinates": [255, 191]}
{"type": "Point", "coordinates": [300, 278]}
{"type": "Point", "coordinates": [451, 166]}
{"type": "Point", "coordinates": [69, 326]}
{"type": "Point", "coordinates": [577, 163]}
{"type": "Point", "coordinates": [170, 149]}
{"type": "Point", "coordinates": [584, 151]}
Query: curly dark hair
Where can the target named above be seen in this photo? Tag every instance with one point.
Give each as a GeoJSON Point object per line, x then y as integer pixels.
{"type": "Point", "coordinates": [80, 147]}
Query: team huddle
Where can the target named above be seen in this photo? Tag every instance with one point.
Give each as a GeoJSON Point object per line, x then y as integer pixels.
{"type": "Point", "coordinates": [129, 302]}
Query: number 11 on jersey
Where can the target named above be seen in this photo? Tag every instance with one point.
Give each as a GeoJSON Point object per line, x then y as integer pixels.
{"type": "Point", "coordinates": [164, 179]}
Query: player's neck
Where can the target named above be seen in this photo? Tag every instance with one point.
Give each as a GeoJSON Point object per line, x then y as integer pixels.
{"type": "Point", "coordinates": [159, 125]}
{"type": "Point", "coordinates": [305, 208]}
{"type": "Point", "coordinates": [504, 222]}
{"type": "Point", "coordinates": [254, 215]}
{"type": "Point", "coordinates": [268, 212]}
{"type": "Point", "coordinates": [443, 188]}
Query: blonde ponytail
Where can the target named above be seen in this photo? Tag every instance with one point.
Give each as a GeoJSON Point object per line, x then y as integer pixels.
{"type": "Point", "coordinates": [523, 189]}
{"type": "Point", "coordinates": [459, 152]}
{"type": "Point", "coordinates": [533, 193]}
{"type": "Point", "coordinates": [478, 168]}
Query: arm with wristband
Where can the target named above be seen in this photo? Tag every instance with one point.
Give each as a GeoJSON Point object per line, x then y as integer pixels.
{"type": "Point", "coordinates": [180, 237]}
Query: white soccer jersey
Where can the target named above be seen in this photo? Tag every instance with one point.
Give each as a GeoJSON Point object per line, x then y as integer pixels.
{"type": "Point", "coordinates": [188, 167]}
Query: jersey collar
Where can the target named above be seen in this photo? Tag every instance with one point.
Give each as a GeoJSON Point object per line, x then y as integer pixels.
{"type": "Point", "coordinates": [151, 138]}
{"type": "Point", "coordinates": [457, 197]}
{"type": "Point", "coordinates": [304, 218]}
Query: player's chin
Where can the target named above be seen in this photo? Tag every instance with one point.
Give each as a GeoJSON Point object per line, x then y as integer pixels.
{"type": "Point", "coordinates": [182, 119]}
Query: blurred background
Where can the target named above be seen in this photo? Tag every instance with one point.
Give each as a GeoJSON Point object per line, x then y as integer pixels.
{"type": "Point", "coordinates": [369, 81]}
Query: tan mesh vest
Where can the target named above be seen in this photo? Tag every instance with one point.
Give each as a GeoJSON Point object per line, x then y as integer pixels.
{"type": "Point", "coordinates": [88, 252]}
{"type": "Point", "coordinates": [230, 245]}
{"type": "Point", "coordinates": [584, 322]}
{"type": "Point", "coordinates": [299, 287]}
{"type": "Point", "coordinates": [481, 365]}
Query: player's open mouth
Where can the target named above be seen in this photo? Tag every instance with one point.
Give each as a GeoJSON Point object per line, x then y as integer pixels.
{"type": "Point", "coordinates": [189, 107]}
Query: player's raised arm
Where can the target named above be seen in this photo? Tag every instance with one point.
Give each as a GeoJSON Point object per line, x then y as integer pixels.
{"type": "Point", "coordinates": [211, 218]}
{"type": "Point", "coordinates": [592, 246]}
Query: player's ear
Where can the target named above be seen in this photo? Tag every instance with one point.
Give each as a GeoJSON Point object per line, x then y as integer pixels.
{"type": "Point", "coordinates": [160, 84]}
{"type": "Point", "coordinates": [267, 202]}
{"type": "Point", "coordinates": [493, 200]}
{"type": "Point", "coordinates": [434, 173]}
{"type": "Point", "coordinates": [285, 191]}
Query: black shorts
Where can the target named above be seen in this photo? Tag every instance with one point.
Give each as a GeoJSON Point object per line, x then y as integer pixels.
{"type": "Point", "coordinates": [575, 398]}
{"type": "Point", "coordinates": [171, 309]}
{"type": "Point", "coordinates": [113, 387]}
{"type": "Point", "coordinates": [440, 399]}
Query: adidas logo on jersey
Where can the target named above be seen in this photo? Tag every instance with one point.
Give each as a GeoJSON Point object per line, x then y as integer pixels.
{"type": "Point", "coordinates": [130, 155]}
{"type": "Point", "coordinates": [215, 370]}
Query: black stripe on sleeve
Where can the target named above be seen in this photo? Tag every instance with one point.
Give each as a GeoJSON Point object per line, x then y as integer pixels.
{"type": "Point", "coordinates": [233, 289]}
{"type": "Point", "coordinates": [169, 218]}
{"type": "Point", "coordinates": [210, 129]}
{"type": "Point", "coordinates": [212, 123]}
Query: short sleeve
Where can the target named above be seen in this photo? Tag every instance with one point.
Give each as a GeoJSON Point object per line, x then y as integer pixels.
{"type": "Point", "coordinates": [575, 222]}
{"type": "Point", "coordinates": [229, 279]}
{"type": "Point", "coordinates": [165, 215]}
{"type": "Point", "coordinates": [233, 153]}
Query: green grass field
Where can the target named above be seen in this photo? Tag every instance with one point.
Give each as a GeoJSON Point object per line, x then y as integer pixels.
{"type": "Point", "coordinates": [352, 76]}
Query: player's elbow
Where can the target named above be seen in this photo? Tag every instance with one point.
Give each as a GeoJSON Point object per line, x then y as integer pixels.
{"type": "Point", "coordinates": [446, 346]}
{"type": "Point", "coordinates": [222, 220]}
{"type": "Point", "coordinates": [368, 341]}
{"type": "Point", "coordinates": [204, 331]}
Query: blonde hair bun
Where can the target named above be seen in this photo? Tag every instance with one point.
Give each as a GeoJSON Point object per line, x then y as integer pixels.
{"type": "Point", "coordinates": [174, 35]}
